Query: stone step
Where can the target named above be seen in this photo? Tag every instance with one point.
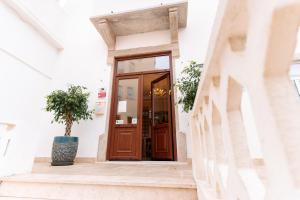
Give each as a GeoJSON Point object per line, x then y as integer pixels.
{"type": "Point", "coordinates": [206, 192]}
{"type": "Point", "coordinates": [21, 198]}
{"type": "Point", "coordinates": [78, 187]}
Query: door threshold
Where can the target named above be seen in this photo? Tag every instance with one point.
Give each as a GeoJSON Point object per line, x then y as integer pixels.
{"type": "Point", "coordinates": [146, 162]}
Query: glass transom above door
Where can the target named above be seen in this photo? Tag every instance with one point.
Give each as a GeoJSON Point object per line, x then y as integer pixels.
{"type": "Point", "coordinates": [144, 64]}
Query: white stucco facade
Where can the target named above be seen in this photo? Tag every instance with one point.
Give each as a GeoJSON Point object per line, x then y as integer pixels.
{"type": "Point", "coordinates": [27, 68]}
{"type": "Point", "coordinates": [33, 65]}
{"type": "Point", "coordinates": [242, 133]}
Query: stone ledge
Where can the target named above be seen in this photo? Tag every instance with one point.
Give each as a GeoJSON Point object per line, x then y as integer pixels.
{"type": "Point", "coordinates": [77, 160]}
{"type": "Point", "coordinates": [143, 20]}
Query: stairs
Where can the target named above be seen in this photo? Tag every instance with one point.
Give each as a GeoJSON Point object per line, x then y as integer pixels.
{"type": "Point", "coordinates": [174, 182]}
{"type": "Point", "coordinates": [206, 192]}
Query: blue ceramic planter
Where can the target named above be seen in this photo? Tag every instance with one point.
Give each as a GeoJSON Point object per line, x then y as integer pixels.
{"type": "Point", "coordinates": [64, 150]}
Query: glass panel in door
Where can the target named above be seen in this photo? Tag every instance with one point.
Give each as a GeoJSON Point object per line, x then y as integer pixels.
{"type": "Point", "coordinates": [160, 100]}
{"type": "Point", "coordinates": [126, 126]}
{"type": "Point", "coordinates": [162, 146]}
{"type": "Point", "coordinates": [127, 101]}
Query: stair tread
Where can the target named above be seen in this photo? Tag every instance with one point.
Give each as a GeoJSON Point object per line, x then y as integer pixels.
{"type": "Point", "coordinates": [169, 182]}
{"type": "Point", "coordinates": [22, 198]}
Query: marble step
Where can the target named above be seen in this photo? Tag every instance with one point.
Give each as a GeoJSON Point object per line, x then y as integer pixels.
{"type": "Point", "coordinates": [81, 187]}
{"type": "Point", "coordinates": [21, 198]}
{"type": "Point", "coordinates": [206, 192]}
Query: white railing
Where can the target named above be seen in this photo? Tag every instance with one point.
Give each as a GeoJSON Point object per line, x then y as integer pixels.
{"type": "Point", "coordinates": [251, 50]}
{"type": "Point", "coordinates": [5, 137]}
{"type": "Point", "coordinates": [5, 141]}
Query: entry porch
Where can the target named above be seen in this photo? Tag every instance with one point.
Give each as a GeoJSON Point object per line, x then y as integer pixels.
{"type": "Point", "coordinates": [103, 180]}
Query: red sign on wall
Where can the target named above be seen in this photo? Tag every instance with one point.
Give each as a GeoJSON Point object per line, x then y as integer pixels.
{"type": "Point", "coordinates": [102, 93]}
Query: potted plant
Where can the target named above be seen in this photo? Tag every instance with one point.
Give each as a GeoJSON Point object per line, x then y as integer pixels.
{"type": "Point", "coordinates": [68, 107]}
{"type": "Point", "coordinates": [187, 84]}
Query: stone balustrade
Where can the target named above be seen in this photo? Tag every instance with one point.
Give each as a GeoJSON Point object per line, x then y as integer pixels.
{"type": "Point", "coordinates": [250, 54]}
{"type": "Point", "coordinates": [5, 137]}
{"type": "Point", "coordinates": [5, 140]}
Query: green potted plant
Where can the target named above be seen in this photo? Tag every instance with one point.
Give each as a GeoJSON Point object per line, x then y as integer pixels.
{"type": "Point", "coordinates": [187, 84]}
{"type": "Point", "coordinates": [68, 107]}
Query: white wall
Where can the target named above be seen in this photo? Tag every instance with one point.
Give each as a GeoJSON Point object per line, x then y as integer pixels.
{"type": "Point", "coordinates": [143, 39]}
{"type": "Point", "coordinates": [49, 13]}
{"type": "Point", "coordinates": [23, 41]}
{"type": "Point", "coordinates": [27, 63]}
{"type": "Point", "coordinates": [82, 62]}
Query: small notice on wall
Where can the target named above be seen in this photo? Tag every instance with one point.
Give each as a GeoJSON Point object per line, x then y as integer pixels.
{"type": "Point", "coordinates": [134, 121]}
{"type": "Point", "coordinates": [100, 108]}
{"type": "Point", "coordinates": [119, 121]}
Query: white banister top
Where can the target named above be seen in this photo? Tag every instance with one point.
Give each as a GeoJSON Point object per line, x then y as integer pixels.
{"type": "Point", "coordinates": [7, 124]}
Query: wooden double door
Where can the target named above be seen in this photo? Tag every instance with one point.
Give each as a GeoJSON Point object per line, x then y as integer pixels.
{"type": "Point", "coordinates": [131, 118]}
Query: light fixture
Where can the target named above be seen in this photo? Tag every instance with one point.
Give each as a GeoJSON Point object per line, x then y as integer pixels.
{"type": "Point", "coordinates": [159, 91]}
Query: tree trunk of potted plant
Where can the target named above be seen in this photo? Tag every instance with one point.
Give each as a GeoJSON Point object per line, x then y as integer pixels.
{"type": "Point", "coordinates": [69, 124]}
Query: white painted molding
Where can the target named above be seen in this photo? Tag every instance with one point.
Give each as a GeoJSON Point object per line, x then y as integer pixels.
{"type": "Point", "coordinates": [7, 125]}
{"type": "Point", "coordinates": [29, 18]}
{"type": "Point", "coordinates": [12, 55]}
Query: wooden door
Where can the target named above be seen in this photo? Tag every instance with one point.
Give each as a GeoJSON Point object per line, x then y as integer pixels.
{"type": "Point", "coordinates": [162, 144]}
{"type": "Point", "coordinates": [125, 137]}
